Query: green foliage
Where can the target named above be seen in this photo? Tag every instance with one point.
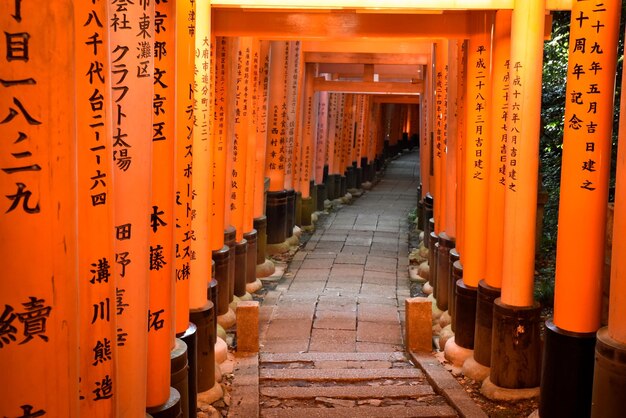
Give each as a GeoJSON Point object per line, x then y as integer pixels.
{"type": "Point", "coordinates": [412, 216]}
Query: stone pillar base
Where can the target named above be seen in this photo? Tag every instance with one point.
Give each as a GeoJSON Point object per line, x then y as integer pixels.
{"type": "Point", "coordinates": [254, 286]}
{"type": "Point", "coordinates": [205, 372]}
{"type": "Point", "coordinates": [179, 376]}
{"type": "Point", "coordinates": [265, 269]}
{"type": "Point", "coordinates": [456, 354]}
{"type": "Point", "coordinates": [465, 321]}
{"type": "Point", "coordinates": [190, 337]}
{"type": "Point", "coordinates": [209, 396]}
{"type": "Point", "coordinates": [276, 213]}
{"type": "Point", "coordinates": [474, 370]}
{"type": "Point", "coordinates": [567, 373]}
{"type": "Point", "coordinates": [516, 346]}
{"type": "Point", "coordinates": [241, 267]}
{"type": "Point", "coordinates": [484, 321]}
{"type": "Point", "coordinates": [609, 381]}
{"type": "Point", "coordinates": [497, 393]}
{"type": "Point", "coordinates": [227, 320]}
{"type": "Point", "coordinates": [170, 409]}
{"type": "Point", "coordinates": [220, 257]}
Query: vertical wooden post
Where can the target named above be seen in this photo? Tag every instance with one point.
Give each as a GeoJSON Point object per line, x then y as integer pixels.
{"type": "Point", "coordinates": [39, 290]}
{"type": "Point", "coordinates": [132, 92]}
{"type": "Point", "coordinates": [515, 358]}
{"type": "Point", "coordinates": [162, 223]}
{"type": "Point", "coordinates": [489, 288]}
{"type": "Point", "coordinates": [95, 206]}
{"type": "Point", "coordinates": [260, 220]}
{"type": "Point", "coordinates": [571, 336]}
{"type": "Point", "coordinates": [609, 382]}
{"type": "Point", "coordinates": [275, 157]}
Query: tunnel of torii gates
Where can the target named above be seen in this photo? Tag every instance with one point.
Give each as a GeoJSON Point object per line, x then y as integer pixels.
{"type": "Point", "coordinates": [154, 152]}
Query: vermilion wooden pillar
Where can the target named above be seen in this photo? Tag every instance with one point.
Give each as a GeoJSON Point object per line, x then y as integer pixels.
{"type": "Point", "coordinates": [477, 142]}
{"type": "Point", "coordinates": [260, 220]}
{"type": "Point", "coordinates": [202, 310]}
{"type": "Point", "coordinates": [39, 342]}
{"type": "Point", "coordinates": [132, 80]}
{"type": "Point", "coordinates": [571, 336]}
{"type": "Point", "coordinates": [275, 155]}
{"type": "Point", "coordinates": [321, 151]}
{"type": "Point", "coordinates": [309, 132]}
{"type": "Point", "coordinates": [293, 158]}
{"type": "Point", "coordinates": [251, 78]}
{"type": "Point", "coordinates": [609, 383]}
{"type": "Point", "coordinates": [489, 288]}
{"type": "Point", "coordinates": [220, 252]}
{"type": "Point", "coordinates": [95, 208]}
{"type": "Point", "coordinates": [515, 358]}
{"type": "Point", "coordinates": [162, 221]}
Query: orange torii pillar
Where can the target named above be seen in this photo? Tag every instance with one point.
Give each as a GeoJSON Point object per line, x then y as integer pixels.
{"type": "Point", "coordinates": [333, 187]}
{"type": "Point", "coordinates": [161, 342]}
{"type": "Point", "coordinates": [201, 310]}
{"type": "Point", "coordinates": [39, 341]}
{"type": "Point", "coordinates": [475, 182]}
{"type": "Point", "coordinates": [276, 210]}
{"type": "Point", "coordinates": [95, 208]}
{"type": "Point", "coordinates": [292, 143]}
{"type": "Point", "coordinates": [489, 287]}
{"type": "Point", "coordinates": [443, 241]}
{"type": "Point", "coordinates": [321, 152]}
{"type": "Point", "coordinates": [361, 117]}
{"type": "Point", "coordinates": [220, 251]}
{"type": "Point", "coordinates": [251, 78]}
{"type": "Point", "coordinates": [264, 267]}
{"type": "Point", "coordinates": [609, 381]}
{"type": "Point", "coordinates": [132, 79]}
{"type": "Point", "coordinates": [239, 52]}
{"type": "Point", "coordinates": [456, 268]}
{"type": "Point", "coordinates": [571, 336]}
{"type": "Point", "coordinates": [515, 355]}
{"type": "Point", "coordinates": [348, 140]}
{"type": "Point", "coordinates": [308, 134]}
{"type": "Point", "coordinates": [447, 235]}
{"type": "Point", "coordinates": [372, 139]}
{"type": "Point", "coordinates": [427, 150]}
{"type": "Point", "coordinates": [456, 272]}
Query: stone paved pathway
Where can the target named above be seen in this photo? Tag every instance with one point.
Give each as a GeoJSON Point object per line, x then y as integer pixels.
{"type": "Point", "coordinates": [331, 334]}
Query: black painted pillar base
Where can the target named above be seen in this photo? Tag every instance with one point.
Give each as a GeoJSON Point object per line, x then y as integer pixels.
{"type": "Point", "coordinates": [566, 373]}
{"type": "Point", "coordinates": [428, 214]}
{"type": "Point", "coordinates": [220, 257]}
{"type": "Point", "coordinates": [241, 267]}
{"type": "Point", "coordinates": [291, 213]}
{"type": "Point", "coordinates": [191, 340]}
{"type": "Point", "coordinates": [455, 274]}
{"type": "Point", "coordinates": [170, 409]}
{"type": "Point", "coordinates": [351, 177]}
{"type": "Point", "coordinates": [205, 370]}
{"type": "Point", "coordinates": [298, 210]}
{"type": "Point", "coordinates": [312, 194]}
{"type": "Point", "coordinates": [307, 210]}
{"type": "Point", "coordinates": [344, 186]}
{"type": "Point", "coordinates": [420, 207]}
{"type": "Point", "coordinates": [443, 270]}
{"type": "Point", "coordinates": [433, 249]}
{"type": "Point", "coordinates": [276, 212]}
{"type": "Point", "coordinates": [260, 224]}
{"type": "Point", "coordinates": [358, 175]}
{"type": "Point", "coordinates": [609, 379]}
{"type": "Point", "coordinates": [465, 315]}
{"type": "Point", "coordinates": [484, 321]}
{"type": "Point", "coordinates": [179, 374]}
{"type": "Point", "coordinates": [321, 196]}
{"type": "Point", "coordinates": [516, 346]}
{"type": "Point", "coordinates": [325, 174]}
{"type": "Point", "coordinates": [330, 187]}
{"type": "Point", "coordinates": [230, 235]}
{"type": "Point", "coordinates": [251, 256]}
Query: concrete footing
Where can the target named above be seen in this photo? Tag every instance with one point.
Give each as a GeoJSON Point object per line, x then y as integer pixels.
{"type": "Point", "coordinates": [498, 393]}
{"type": "Point", "coordinates": [456, 354]}
{"type": "Point", "coordinates": [474, 370]}
{"type": "Point", "coordinates": [254, 286]}
{"type": "Point", "coordinates": [227, 320]}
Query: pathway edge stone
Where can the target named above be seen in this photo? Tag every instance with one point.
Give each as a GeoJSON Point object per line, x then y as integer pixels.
{"type": "Point", "coordinates": [447, 386]}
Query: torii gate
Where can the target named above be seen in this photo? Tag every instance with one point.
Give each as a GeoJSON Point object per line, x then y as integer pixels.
{"type": "Point", "coordinates": [41, 318]}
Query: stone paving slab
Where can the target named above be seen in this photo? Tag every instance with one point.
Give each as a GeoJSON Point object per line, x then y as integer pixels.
{"type": "Point", "coordinates": [286, 358]}
{"type": "Point", "coordinates": [245, 392]}
{"type": "Point", "coordinates": [348, 392]}
{"type": "Point", "coordinates": [339, 375]}
{"type": "Point", "coordinates": [379, 332]}
{"type": "Point", "coordinates": [386, 412]}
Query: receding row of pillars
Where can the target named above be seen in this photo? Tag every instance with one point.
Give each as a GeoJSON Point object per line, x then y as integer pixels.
{"type": "Point", "coordinates": [479, 201]}
{"type": "Point", "coordinates": [148, 168]}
